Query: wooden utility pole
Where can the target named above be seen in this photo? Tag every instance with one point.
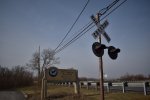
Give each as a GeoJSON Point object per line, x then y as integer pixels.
{"type": "Point", "coordinates": [39, 68]}
{"type": "Point", "coordinates": [101, 75]}
{"type": "Point", "coordinates": [100, 65]}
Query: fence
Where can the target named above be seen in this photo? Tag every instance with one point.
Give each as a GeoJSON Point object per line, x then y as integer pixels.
{"type": "Point", "coordinates": [119, 86]}
{"type": "Point", "coordinates": [115, 86]}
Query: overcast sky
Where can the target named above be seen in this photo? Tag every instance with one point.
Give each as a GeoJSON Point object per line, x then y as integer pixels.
{"type": "Point", "coordinates": [26, 24]}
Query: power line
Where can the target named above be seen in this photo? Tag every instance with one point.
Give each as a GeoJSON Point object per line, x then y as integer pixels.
{"type": "Point", "coordinates": [104, 10]}
{"type": "Point", "coordinates": [72, 26]}
{"type": "Point", "coordinates": [76, 37]}
{"type": "Point", "coordinates": [86, 29]}
{"type": "Point", "coordinates": [113, 9]}
{"type": "Point", "coordinates": [74, 34]}
{"type": "Point", "coordinates": [81, 33]}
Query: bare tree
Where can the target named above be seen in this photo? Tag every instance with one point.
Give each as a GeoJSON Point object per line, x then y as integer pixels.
{"type": "Point", "coordinates": [34, 63]}
{"type": "Point", "coordinates": [47, 58]}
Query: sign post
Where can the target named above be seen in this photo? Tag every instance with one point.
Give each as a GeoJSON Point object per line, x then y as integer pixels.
{"type": "Point", "coordinates": [101, 69]}
{"type": "Point", "coordinates": [44, 85]}
{"type": "Point", "coordinates": [101, 75]}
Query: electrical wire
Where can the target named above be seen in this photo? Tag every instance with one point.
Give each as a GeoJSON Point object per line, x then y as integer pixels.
{"type": "Point", "coordinates": [79, 35]}
{"type": "Point", "coordinates": [76, 37]}
{"type": "Point", "coordinates": [104, 10]}
{"type": "Point", "coordinates": [102, 13]}
{"type": "Point", "coordinates": [72, 26]}
{"type": "Point", "coordinates": [113, 10]}
{"type": "Point", "coordinates": [74, 34]}
{"type": "Point", "coordinates": [85, 30]}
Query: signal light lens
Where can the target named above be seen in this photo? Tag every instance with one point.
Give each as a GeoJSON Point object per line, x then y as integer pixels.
{"type": "Point", "coordinates": [98, 49]}
{"type": "Point", "coordinates": [113, 52]}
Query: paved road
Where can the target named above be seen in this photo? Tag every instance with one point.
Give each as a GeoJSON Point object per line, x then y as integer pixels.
{"type": "Point", "coordinates": [11, 95]}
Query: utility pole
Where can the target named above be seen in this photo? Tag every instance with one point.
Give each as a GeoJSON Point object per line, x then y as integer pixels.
{"type": "Point", "coordinates": [98, 47]}
{"type": "Point", "coordinates": [39, 68]}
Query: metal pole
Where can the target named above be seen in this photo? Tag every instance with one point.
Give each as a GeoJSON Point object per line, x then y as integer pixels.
{"type": "Point", "coordinates": [100, 65]}
{"type": "Point", "coordinates": [101, 75]}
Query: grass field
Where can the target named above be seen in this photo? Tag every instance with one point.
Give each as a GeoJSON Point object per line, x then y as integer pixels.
{"type": "Point", "coordinates": [67, 93]}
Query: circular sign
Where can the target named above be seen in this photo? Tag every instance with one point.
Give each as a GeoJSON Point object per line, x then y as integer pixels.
{"type": "Point", "coordinates": [53, 71]}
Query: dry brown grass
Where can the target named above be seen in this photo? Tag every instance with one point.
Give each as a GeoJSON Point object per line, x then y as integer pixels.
{"type": "Point", "coordinates": [67, 93]}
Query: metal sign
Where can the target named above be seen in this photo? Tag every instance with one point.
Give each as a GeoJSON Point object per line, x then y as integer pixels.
{"type": "Point", "coordinates": [95, 34]}
{"type": "Point", "coordinates": [61, 75]}
{"type": "Point", "coordinates": [100, 29]}
{"type": "Point", "coordinates": [94, 19]}
{"type": "Point", "coordinates": [103, 26]}
{"type": "Point", "coordinates": [106, 36]}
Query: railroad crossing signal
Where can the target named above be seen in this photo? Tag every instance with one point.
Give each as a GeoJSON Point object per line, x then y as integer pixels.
{"type": "Point", "coordinates": [98, 48]}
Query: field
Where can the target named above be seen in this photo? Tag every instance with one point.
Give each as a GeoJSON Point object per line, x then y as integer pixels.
{"type": "Point", "coordinates": [67, 93]}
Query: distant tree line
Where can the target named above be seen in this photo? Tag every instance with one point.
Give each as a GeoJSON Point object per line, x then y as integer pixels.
{"type": "Point", "coordinates": [136, 77]}
{"type": "Point", "coordinates": [87, 79]}
{"type": "Point", "coordinates": [126, 77]}
{"type": "Point", "coordinates": [15, 77]}
{"type": "Point", "coordinates": [19, 76]}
